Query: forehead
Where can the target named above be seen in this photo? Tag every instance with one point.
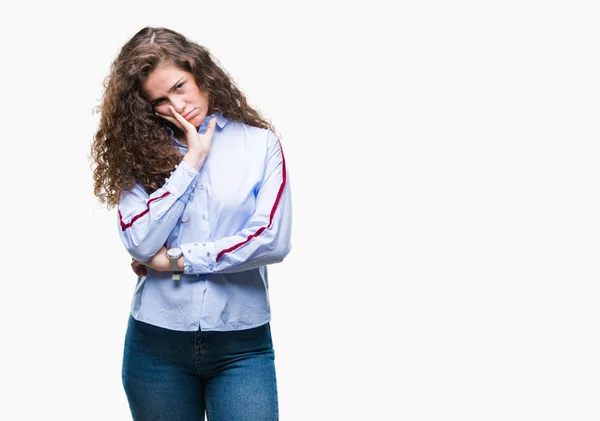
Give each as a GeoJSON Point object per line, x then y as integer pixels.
{"type": "Point", "coordinates": [161, 79]}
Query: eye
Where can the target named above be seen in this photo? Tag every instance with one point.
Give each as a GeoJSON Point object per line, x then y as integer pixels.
{"type": "Point", "coordinates": [178, 87]}
{"type": "Point", "coordinates": [158, 102]}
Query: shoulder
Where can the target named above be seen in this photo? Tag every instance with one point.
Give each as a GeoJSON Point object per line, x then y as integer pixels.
{"type": "Point", "coordinates": [255, 135]}
{"type": "Point", "coordinates": [238, 126]}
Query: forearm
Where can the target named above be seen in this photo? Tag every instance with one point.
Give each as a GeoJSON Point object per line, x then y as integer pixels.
{"type": "Point", "coordinates": [159, 261]}
{"type": "Point", "coordinates": [248, 249]}
{"type": "Point", "coordinates": [144, 240]}
{"type": "Point", "coordinates": [194, 159]}
{"type": "Point", "coordinates": [147, 221]}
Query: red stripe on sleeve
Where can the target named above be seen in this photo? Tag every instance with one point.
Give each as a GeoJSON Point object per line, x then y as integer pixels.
{"type": "Point", "coordinates": [124, 226]}
{"type": "Point", "coordinates": [273, 209]}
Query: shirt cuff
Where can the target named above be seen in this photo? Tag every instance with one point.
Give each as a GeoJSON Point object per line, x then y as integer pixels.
{"type": "Point", "coordinates": [181, 178]}
{"type": "Point", "coordinates": [199, 257]}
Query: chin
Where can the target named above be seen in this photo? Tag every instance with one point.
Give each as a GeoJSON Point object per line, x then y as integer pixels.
{"type": "Point", "coordinates": [197, 121]}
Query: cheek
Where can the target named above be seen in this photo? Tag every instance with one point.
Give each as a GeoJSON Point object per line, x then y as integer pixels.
{"type": "Point", "coordinates": [162, 109]}
{"type": "Point", "coordinates": [199, 97]}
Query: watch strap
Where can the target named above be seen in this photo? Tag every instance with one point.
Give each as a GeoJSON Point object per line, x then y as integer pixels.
{"type": "Point", "coordinates": [174, 265]}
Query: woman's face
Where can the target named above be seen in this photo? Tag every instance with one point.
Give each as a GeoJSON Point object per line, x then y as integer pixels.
{"type": "Point", "coordinates": [170, 85]}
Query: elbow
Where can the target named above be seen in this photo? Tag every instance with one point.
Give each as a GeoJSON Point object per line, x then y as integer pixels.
{"type": "Point", "coordinates": [280, 252]}
{"type": "Point", "coordinates": [286, 251]}
{"type": "Point", "coordinates": [141, 252]}
{"type": "Point", "coordinates": [281, 244]}
{"type": "Point", "coordinates": [140, 255]}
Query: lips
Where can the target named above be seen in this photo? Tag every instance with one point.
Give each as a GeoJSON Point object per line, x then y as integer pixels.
{"type": "Point", "coordinates": [188, 114]}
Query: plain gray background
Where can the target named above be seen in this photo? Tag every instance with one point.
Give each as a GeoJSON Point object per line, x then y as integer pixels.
{"type": "Point", "coordinates": [444, 168]}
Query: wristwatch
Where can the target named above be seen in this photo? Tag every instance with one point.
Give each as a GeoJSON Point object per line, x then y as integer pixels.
{"type": "Point", "coordinates": [173, 254]}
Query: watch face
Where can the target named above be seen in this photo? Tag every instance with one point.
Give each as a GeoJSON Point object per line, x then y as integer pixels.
{"type": "Point", "coordinates": [174, 252]}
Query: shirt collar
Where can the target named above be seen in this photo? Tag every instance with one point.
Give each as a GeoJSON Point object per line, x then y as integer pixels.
{"type": "Point", "coordinates": [221, 119]}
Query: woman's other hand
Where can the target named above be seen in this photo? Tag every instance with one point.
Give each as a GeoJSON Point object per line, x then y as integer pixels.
{"type": "Point", "coordinates": [138, 267]}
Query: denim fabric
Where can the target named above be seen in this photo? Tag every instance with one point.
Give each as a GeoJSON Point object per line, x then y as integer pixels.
{"type": "Point", "coordinates": [178, 375]}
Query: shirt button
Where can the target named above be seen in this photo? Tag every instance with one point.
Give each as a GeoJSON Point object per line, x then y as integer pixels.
{"type": "Point", "coordinates": [201, 187]}
{"type": "Point", "coordinates": [208, 253]}
{"type": "Point", "coordinates": [204, 217]}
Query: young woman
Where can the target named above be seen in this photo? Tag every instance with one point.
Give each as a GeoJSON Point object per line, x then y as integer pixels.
{"type": "Point", "coordinates": [203, 196]}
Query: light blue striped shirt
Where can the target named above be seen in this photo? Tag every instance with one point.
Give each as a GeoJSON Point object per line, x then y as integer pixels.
{"type": "Point", "coordinates": [231, 219]}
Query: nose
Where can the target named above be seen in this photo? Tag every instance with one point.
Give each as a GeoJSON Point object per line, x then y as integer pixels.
{"type": "Point", "coordinates": [178, 104]}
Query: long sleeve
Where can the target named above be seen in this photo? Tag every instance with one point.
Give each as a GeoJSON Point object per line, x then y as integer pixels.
{"type": "Point", "coordinates": [265, 238]}
{"type": "Point", "coordinates": [145, 221]}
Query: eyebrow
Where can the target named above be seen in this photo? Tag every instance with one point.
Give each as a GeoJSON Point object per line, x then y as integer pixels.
{"type": "Point", "coordinates": [170, 90]}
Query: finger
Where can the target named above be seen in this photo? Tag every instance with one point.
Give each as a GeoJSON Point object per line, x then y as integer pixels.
{"type": "Point", "coordinates": [166, 117]}
{"type": "Point", "coordinates": [212, 124]}
{"type": "Point", "coordinates": [188, 126]}
{"type": "Point", "coordinates": [210, 130]}
{"type": "Point", "coordinates": [170, 120]}
{"type": "Point", "coordinates": [139, 270]}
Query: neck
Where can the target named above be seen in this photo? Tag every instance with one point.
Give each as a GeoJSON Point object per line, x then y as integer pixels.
{"type": "Point", "coordinates": [180, 135]}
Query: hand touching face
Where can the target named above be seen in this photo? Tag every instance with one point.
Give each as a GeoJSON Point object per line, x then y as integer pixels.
{"type": "Point", "coordinates": [197, 143]}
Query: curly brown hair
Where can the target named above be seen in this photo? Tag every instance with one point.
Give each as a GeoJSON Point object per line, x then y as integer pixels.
{"type": "Point", "coordinates": [131, 145]}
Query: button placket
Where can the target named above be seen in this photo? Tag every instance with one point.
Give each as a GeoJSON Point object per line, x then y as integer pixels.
{"type": "Point", "coordinates": [204, 210]}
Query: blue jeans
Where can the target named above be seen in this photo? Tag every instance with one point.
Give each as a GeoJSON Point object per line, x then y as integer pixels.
{"type": "Point", "coordinates": [175, 375]}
